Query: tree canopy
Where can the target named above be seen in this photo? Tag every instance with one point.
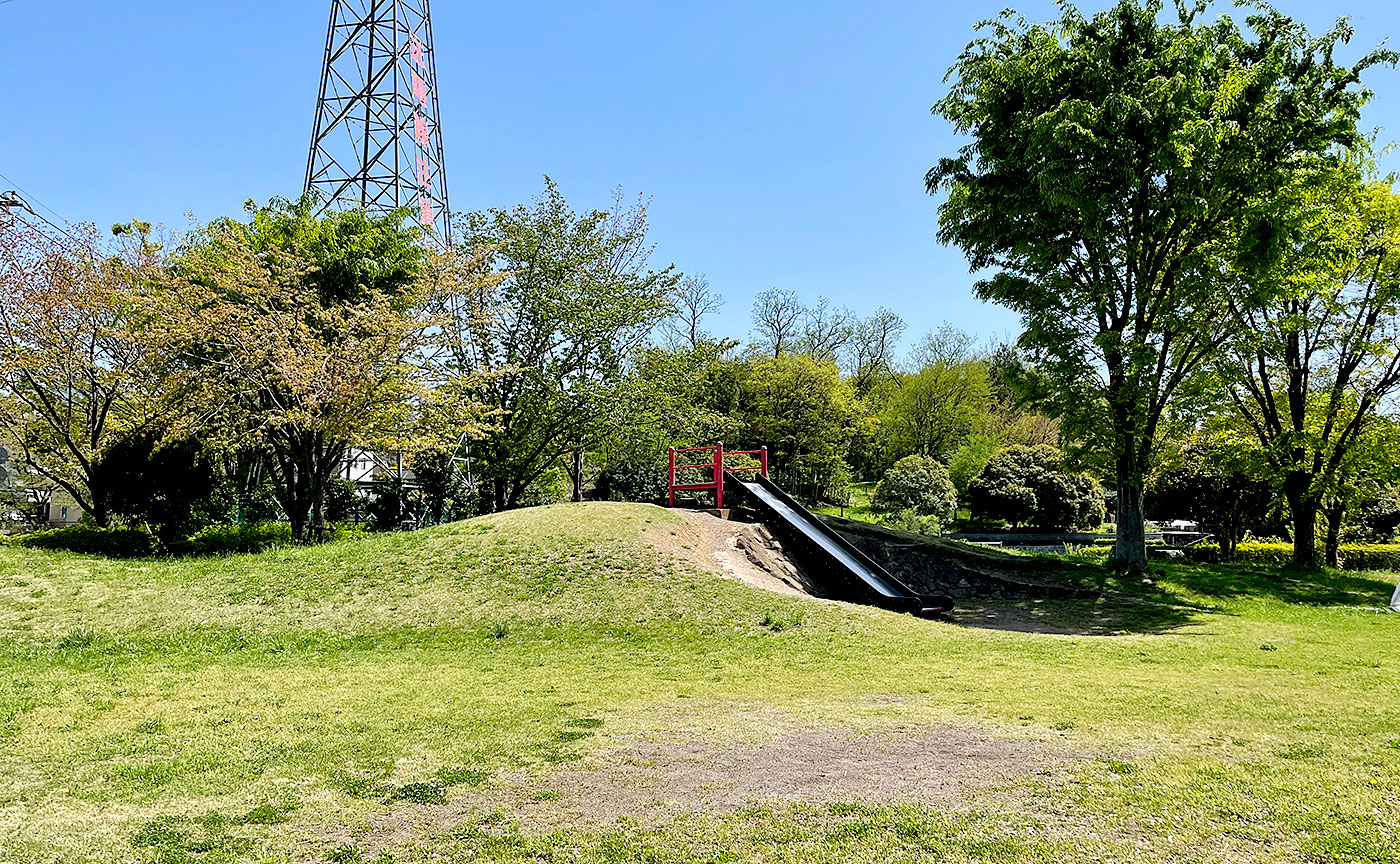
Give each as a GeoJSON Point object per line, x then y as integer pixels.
{"type": "Point", "coordinates": [1120, 167]}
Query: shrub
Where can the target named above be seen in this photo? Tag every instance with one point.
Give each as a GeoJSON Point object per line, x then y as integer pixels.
{"type": "Point", "coordinates": [970, 459]}
{"type": "Point", "coordinates": [90, 540]}
{"type": "Point", "coordinates": [917, 483]}
{"type": "Point", "coordinates": [1030, 486]}
{"type": "Point", "coordinates": [911, 522]}
{"type": "Point", "coordinates": [169, 487]}
{"type": "Point", "coordinates": [1350, 556]}
{"type": "Point", "coordinates": [1369, 556]}
{"type": "Point", "coordinates": [642, 481]}
{"type": "Point", "coordinates": [343, 502]}
{"type": "Point", "coordinates": [234, 540]}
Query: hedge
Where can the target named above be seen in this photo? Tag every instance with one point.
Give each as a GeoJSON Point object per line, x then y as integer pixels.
{"type": "Point", "coordinates": [130, 542]}
{"type": "Point", "coordinates": [88, 540]}
{"type": "Point", "coordinates": [1350, 556]}
{"type": "Point", "coordinates": [234, 540]}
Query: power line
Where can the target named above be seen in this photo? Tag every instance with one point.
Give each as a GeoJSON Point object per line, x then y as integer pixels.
{"type": "Point", "coordinates": [27, 199]}
{"type": "Point", "coordinates": [21, 190]}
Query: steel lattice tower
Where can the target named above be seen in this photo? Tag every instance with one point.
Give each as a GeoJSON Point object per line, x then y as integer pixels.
{"type": "Point", "coordinates": [377, 142]}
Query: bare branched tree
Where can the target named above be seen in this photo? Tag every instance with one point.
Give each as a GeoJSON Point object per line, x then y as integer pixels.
{"type": "Point", "coordinates": [944, 347]}
{"type": "Point", "coordinates": [871, 350]}
{"type": "Point", "coordinates": [694, 301]}
{"type": "Point", "coordinates": [826, 330]}
{"type": "Point", "coordinates": [777, 321]}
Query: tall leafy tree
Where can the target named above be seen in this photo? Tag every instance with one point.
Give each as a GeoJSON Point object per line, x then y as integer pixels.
{"type": "Point", "coordinates": [300, 336]}
{"type": "Point", "coordinates": [554, 333]}
{"type": "Point", "coordinates": [73, 380]}
{"type": "Point", "coordinates": [1309, 370]}
{"type": "Point", "coordinates": [930, 412]}
{"type": "Point", "coordinates": [1118, 165]}
{"type": "Point", "coordinates": [805, 413]}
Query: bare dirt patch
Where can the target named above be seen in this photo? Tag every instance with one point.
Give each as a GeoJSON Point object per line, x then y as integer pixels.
{"type": "Point", "coordinates": [652, 782]}
{"type": "Point", "coordinates": [741, 551]}
{"type": "Point", "coordinates": [655, 781]}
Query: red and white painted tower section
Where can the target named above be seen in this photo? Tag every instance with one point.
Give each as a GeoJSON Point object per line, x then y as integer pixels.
{"type": "Point", "coordinates": [377, 139]}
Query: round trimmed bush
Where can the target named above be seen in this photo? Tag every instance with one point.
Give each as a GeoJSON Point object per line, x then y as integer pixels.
{"type": "Point", "coordinates": [920, 484]}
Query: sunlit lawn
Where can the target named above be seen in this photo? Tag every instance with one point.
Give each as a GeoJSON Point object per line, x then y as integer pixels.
{"type": "Point", "coordinates": [268, 708]}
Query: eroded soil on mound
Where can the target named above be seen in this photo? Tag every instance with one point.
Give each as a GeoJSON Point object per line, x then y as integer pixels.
{"type": "Point", "coordinates": [739, 550]}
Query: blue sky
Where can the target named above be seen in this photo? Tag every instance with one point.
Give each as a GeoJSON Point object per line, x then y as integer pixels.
{"type": "Point", "coordinates": [783, 142]}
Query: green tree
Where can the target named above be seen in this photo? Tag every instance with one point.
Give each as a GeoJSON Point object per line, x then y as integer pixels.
{"type": "Point", "coordinates": [1309, 371]}
{"type": "Point", "coordinates": [970, 458]}
{"type": "Point", "coordinates": [1030, 486]}
{"type": "Point", "coordinates": [1365, 482]}
{"type": "Point", "coordinates": [300, 336]}
{"type": "Point", "coordinates": [554, 332]}
{"type": "Point", "coordinates": [681, 397]}
{"type": "Point", "coordinates": [1212, 483]}
{"type": "Point", "coordinates": [73, 379]}
{"type": "Point", "coordinates": [920, 484]}
{"type": "Point", "coordinates": [1119, 164]}
{"type": "Point", "coordinates": [804, 412]}
{"type": "Point", "coordinates": [932, 411]}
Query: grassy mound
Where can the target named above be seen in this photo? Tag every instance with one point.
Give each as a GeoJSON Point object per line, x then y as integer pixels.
{"type": "Point", "coordinates": [370, 700]}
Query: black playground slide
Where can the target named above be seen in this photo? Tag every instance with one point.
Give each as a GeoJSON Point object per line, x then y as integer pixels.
{"type": "Point", "coordinates": [843, 570]}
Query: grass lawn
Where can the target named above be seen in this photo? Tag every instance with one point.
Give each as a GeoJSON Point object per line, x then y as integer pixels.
{"type": "Point", "coordinates": [858, 507]}
{"type": "Point", "coordinates": [424, 697]}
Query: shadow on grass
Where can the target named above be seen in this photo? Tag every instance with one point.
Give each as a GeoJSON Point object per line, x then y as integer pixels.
{"type": "Point", "coordinates": [1071, 595]}
{"type": "Point", "coordinates": [1104, 617]}
{"type": "Point", "coordinates": [1168, 598]}
{"type": "Point", "coordinates": [1319, 588]}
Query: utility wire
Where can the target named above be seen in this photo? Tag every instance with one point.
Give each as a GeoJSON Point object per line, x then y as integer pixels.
{"type": "Point", "coordinates": [20, 189]}
{"type": "Point", "coordinates": [30, 199]}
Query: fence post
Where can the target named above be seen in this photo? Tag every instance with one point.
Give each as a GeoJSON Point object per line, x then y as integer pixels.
{"type": "Point", "coordinates": [719, 476]}
{"type": "Point", "coordinates": [671, 489]}
{"type": "Point", "coordinates": [763, 459]}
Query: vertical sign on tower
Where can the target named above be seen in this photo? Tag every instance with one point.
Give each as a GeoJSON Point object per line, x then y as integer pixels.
{"type": "Point", "coordinates": [377, 141]}
{"type": "Point", "coordinates": [422, 137]}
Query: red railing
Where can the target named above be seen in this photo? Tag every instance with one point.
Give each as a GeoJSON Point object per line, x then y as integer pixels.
{"type": "Point", "coordinates": [716, 466]}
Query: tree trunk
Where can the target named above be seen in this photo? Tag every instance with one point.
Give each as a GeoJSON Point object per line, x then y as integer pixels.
{"type": "Point", "coordinates": [577, 476]}
{"type": "Point", "coordinates": [100, 516]}
{"type": "Point", "coordinates": [1303, 507]}
{"type": "Point", "coordinates": [1130, 547]}
{"type": "Point", "coordinates": [1334, 513]}
{"type": "Point", "coordinates": [318, 507]}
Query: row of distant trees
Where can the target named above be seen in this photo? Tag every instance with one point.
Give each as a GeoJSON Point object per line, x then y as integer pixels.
{"type": "Point", "coordinates": [1182, 211]}
{"type": "Point", "coordinates": [229, 373]}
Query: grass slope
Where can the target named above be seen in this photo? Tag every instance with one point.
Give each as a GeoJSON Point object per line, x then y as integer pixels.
{"type": "Point", "coordinates": [272, 707]}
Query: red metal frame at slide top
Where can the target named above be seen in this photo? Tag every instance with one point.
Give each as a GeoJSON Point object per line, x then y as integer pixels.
{"type": "Point", "coordinates": [714, 464]}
